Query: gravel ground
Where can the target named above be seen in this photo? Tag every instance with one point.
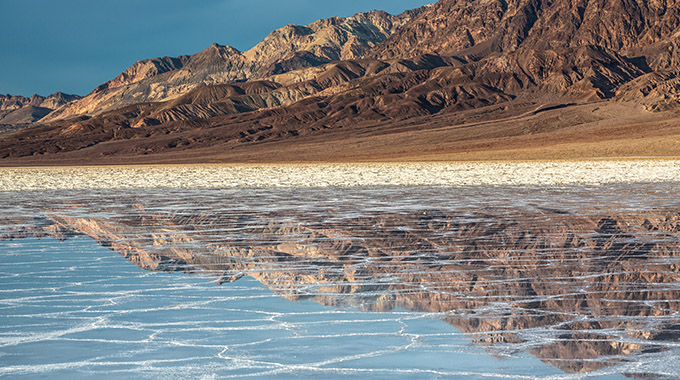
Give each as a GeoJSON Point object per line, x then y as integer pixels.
{"type": "Point", "coordinates": [399, 174]}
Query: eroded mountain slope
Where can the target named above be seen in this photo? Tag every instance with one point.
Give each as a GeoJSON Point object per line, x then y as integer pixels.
{"type": "Point", "coordinates": [288, 48]}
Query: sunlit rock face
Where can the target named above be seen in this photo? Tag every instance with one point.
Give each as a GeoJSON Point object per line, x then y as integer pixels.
{"type": "Point", "coordinates": [581, 277]}
{"type": "Point", "coordinates": [285, 49]}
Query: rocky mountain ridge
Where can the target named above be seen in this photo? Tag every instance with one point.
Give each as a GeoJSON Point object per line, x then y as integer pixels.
{"type": "Point", "coordinates": [583, 48]}
{"type": "Point", "coordinates": [20, 110]}
{"type": "Point", "coordinates": [288, 48]}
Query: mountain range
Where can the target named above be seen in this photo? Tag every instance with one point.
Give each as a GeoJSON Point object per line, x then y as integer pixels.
{"type": "Point", "coordinates": [18, 111]}
{"type": "Point", "coordinates": [459, 79]}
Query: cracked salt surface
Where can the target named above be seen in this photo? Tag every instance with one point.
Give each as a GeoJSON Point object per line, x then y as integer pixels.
{"type": "Point", "coordinates": [368, 174]}
{"type": "Point", "coordinates": [76, 310]}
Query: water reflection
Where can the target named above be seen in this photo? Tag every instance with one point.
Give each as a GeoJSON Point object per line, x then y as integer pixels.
{"type": "Point", "coordinates": [580, 277]}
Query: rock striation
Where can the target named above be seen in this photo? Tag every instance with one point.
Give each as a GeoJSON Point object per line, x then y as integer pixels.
{"type": "Point", "coordinates": [586, 48]}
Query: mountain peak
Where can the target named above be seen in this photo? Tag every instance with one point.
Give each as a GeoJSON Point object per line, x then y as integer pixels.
{"type": "Point", "coordinates": [214, 54]}
{"type": "Point", "coordinates": [221, 48]}
{"type": "Point", "coordinates": [285, 49]}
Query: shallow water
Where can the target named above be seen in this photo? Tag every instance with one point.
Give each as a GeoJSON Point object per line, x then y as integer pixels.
{"type": "Point", "coordinates": [554, 282]}
{"type": "Point", "coordinates": [74, 310]}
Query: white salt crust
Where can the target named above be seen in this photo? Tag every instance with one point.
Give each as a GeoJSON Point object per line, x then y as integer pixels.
{"type": "Point", "coordinates": [319, 175]}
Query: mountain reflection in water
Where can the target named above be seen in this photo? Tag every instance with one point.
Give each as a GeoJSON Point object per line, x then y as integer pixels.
{"type": "Point", "coordinates": [580, 277]}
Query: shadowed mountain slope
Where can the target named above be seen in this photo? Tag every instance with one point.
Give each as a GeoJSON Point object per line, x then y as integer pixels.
{"type": "Point", "coordinates": [17, 111]}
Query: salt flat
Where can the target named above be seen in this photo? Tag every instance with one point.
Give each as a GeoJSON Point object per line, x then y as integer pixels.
{"type": "Point", "coordinates": [359, 174]}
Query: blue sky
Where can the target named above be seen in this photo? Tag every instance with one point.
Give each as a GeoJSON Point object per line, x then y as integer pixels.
{"type": "Point", "coordinates": [75, 45]}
